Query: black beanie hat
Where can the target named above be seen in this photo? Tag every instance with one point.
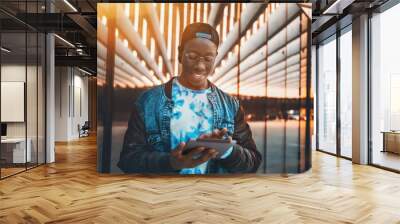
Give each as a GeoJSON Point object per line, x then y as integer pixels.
{"type": "Point", "coordinates": [198, 30]}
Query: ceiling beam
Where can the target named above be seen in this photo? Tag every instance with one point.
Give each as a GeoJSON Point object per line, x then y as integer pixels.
{"type": "Point", "coordinates": [122, 52]}
{"type": "Point", "coordinates": [155, 26]}
{"type": "Point", "coordinates": [84, 61]}
{"type": "Point", "coordinates": [126, 27]}
{"type": "Point", "coordinates": [275, 25]}
{"type": "Point", "coordinates": [248, 16]}
{"type": "Point", "coordinates": [83, 23]}
{"type": "Point", "coordinates": [217, 10]}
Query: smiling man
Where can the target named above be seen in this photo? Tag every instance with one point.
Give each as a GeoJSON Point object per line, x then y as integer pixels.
{"type": "Point", "coordinates": [189, 106]}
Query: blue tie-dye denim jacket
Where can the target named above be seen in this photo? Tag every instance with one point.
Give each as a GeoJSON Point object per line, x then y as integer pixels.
{"type": "Point", "coordinates": [147, 145]}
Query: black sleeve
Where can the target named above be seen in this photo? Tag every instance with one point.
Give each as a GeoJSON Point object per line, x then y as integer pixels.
{"type": "Point", "coordinates": [244, 158]}
{"type": "Point", "coordinates": [137, 156]}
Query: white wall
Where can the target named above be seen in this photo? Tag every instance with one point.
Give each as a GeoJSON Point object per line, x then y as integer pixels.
{"type": "Point", "coordinates": [16, 73]}
{"type": "Point", "coordinates": [71, 94]}
{"type": "Point", "coordinates": [80, 110]}
{"type": "Point", "coordinates": [33, 127]}
{"type": "Point", "coordinates": [61, 103]}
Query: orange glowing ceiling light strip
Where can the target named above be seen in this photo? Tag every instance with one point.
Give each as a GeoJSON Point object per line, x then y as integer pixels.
{"type": "Point", "coordinates": [231, 16]}
{"type": "Point", "coordinates": [126, 9]}
{"type": "Point", "coordinates": [255, 24]}
{"type": "Point", "coordinates": [198, 10]}
{"type": "Point", "coordinates": [184, 14]}
{"type": "Point", "coordinates": [237, 48]}
{"type": "Point", "coordinates": [160, 63]}
{"type": "Point", "coordinates": [191, 12]}
{"type": "Point", "coordinates": [224, 23]}
{"type": "Point", "coordinates": [261, 19]}
{"type": "Point", "coordinates": [205, 11]}
{"type": "Point", "coordinates": [177, 42]}
{"type": "Point", "coordinates": [169, 50]}
{"type": "Point", "coordinates": [152, 47]}
{"type": "Point", "coordinates": [136, 22]}
{"type": "Point", "coordinates": [144, 32]}
{"type": "Point", "coordinates": [162, 15]}
{"type": "Point", "coordinates": [104, 20]}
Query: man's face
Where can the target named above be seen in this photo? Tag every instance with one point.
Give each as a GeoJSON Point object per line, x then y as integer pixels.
{"type": "Point", "coordinates": [198, 58]}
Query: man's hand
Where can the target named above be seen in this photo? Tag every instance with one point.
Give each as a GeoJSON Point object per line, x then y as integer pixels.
{"type": "Point", "coordinates": [216, 134]}
{"type": "Point", "coordinates": [179, 161]}
{"type": "Point", "coordinates": [219, 134]}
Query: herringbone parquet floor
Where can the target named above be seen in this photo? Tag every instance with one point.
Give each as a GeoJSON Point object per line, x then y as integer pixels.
{"type": "Point", "coordinates": [71, 191]}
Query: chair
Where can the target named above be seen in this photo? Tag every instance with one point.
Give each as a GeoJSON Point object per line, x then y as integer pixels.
{"type": "Point", "coordinates": [84, 130]}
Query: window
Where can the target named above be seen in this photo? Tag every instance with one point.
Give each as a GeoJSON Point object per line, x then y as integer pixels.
{"type": "Point", "coordinates": [385, 89]}
{"type": "Point", "coordinates": [345, 92]}
{"type": "Point", "coordinates": [327, 96]}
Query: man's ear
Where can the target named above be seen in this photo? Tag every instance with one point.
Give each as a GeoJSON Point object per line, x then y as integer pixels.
{"type": "Point", "coordinates": [213, 69]}
{"type": "Point", "coordinates": [180, 54]}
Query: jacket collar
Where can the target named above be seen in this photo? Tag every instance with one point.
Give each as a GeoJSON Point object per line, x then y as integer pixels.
{"type": "Point", "coordinates": [168, 87]}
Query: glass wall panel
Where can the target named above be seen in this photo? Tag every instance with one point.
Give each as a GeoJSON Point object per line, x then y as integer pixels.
{"type": "Point", "coordinates": [327, 95]}
{"type": "Point", "coordinates": [346, 93]}
{"type": "Point", "coordinates": [385, 89]}
{"type": "Point", "coordinates": [13, 95]}
{"type": "Point", "coordinates": [41, 110]}
{"type": "Point", "coordinates": [31, 98]}
{"type": "Point", "coordinates": [22, 89]}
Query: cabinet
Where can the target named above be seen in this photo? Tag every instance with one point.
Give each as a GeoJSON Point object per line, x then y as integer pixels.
{"type": "Point", "coordinates": [391, 141]}
{"type": "Point", "coordinates": [13, 150]}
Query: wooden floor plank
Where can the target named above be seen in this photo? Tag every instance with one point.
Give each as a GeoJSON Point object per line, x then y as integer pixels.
{"type": "Point", "coordinates": [71, 191]}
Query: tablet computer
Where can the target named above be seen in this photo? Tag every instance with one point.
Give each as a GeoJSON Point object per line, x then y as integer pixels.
{"type": "Point", "coordinates": [221, 145]}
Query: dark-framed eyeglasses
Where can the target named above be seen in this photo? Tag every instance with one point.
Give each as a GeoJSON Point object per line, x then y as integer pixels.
{"type": "Point", "coordinates": [195, 57]}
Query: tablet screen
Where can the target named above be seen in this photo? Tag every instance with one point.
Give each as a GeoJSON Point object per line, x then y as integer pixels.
{"type": "Point", "coordinates": [221, 145]}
